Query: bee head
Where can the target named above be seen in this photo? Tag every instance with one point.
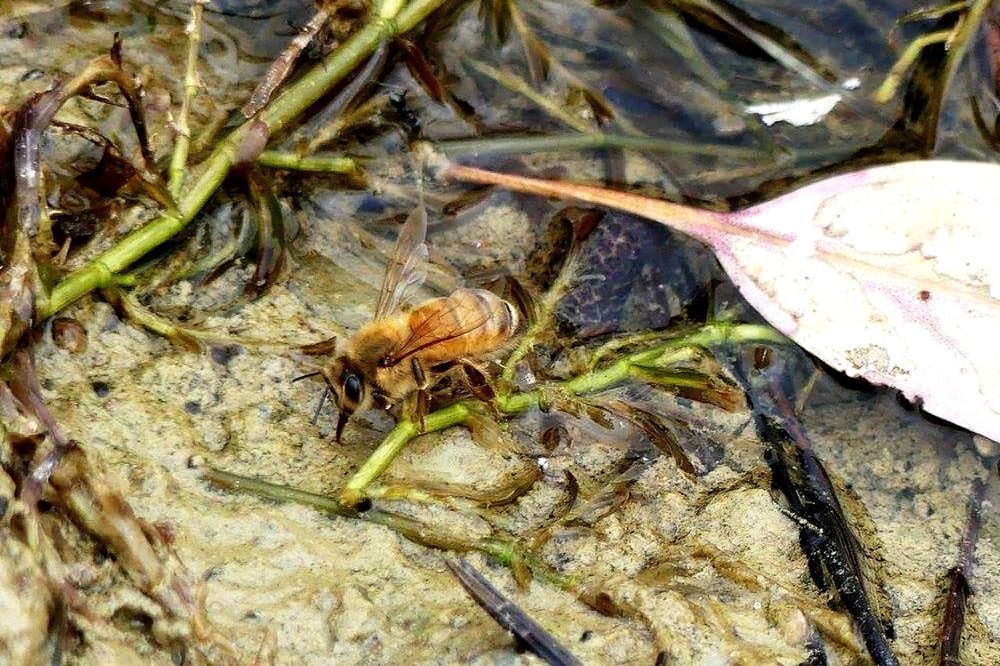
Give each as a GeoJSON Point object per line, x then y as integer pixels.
{"type": "Point", "coordinates": [349, 389]}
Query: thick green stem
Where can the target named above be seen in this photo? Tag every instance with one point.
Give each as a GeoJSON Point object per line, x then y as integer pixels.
{"type": "Point", "coordinates": [597, 380]}
{"type": "Point", "coordinates": [393, 443]}
{"type": "Point", "coordinates": [281, 111]}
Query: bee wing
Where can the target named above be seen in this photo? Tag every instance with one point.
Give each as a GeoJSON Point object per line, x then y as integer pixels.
{"type": "Point", "coordinates": [403, 271]}
{"type": "Point", "coordinates": [435, 327]}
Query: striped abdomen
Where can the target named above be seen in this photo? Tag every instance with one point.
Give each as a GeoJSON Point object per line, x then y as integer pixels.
{"type": "Point", "coordinates": [466, 323]}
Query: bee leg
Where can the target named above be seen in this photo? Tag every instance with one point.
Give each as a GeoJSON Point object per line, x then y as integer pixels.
{"type": "Point", "coordinates": [479, 385]}
{"type": "Point", "coordinates": [423, 401]}
{"type": "Point", "coordinates": [423, 397]}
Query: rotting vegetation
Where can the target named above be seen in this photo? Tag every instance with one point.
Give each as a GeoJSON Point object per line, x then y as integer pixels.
{"type": "Point", "coordinates": [93, 576]}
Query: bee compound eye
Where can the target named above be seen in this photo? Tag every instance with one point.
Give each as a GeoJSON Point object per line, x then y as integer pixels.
{"type": "Point", "coordinates": [352, 388]}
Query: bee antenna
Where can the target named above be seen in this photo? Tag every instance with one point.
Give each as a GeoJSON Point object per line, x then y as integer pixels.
{"type": "Point", "coordinates": [329, 383]}
{"type": "Point", "coordinates": [306, 376]}
{"type": "Point", "coordinates": [319, 407]}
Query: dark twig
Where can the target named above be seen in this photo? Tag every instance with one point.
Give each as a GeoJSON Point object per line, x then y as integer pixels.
{"type": "Point", "coordinates": [827, 539]}
{"type": "Point", "coordinates": [283, 64]}
{"type": "Point", "coordinates": [958, 588]}
{"type": "Point", "coordinates": [510, 617]}
{"type": "Point", "coordinates": [26, 388]}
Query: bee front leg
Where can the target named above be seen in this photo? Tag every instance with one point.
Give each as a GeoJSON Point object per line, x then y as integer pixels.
{"type": "Point", "coordinates": [423, 396]}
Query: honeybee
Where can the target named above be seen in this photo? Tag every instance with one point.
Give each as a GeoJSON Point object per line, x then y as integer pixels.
{"type": "Point", "coordinates": [402, 351]}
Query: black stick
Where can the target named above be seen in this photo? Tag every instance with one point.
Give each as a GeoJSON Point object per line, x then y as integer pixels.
{"type": "Point", "coordinates": [510, 617]}
{"type": "Point", "coordinates": [830, 545]}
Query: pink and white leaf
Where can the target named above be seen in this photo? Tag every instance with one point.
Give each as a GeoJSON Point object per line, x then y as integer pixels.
{"type": "Point", "coordinates": [889, 273]}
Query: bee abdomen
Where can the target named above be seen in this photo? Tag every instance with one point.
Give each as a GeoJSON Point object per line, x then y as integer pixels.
{"type": "Point", "coordinates": [501, 317]}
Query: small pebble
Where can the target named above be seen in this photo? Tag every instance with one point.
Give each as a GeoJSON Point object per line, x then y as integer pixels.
{"type": "Point", "coordinates": [68, 334]}
{"type": "Point", "coordinates": [987, 448]}
{"type": "Point", "coordinates": [223, 354]}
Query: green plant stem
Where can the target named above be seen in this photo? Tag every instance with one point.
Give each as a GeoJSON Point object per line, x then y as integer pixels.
{"type": "Point", "coordinates": [501, 550]}
{"type": "Point", "coordinates": [557, 143]}
{"type": "Point", "coordinates": [317, 163]}
{"type": "Point", "coordinates": [541, 318]}
{"type": "Point", "coordinates": [393, 443]}
{"type": "Point", "coordinates": [928, 13]}
{"type": "Point", "coordinates": [178, 161]}
{"type": "Point", "coordinates": [597, 380]}
{"type": "Point", "coordinates": [210, 174]}
{"type": "Point", "coordinates": [956, 40]}
{"type": "Point", "coordinates": [894, 78]}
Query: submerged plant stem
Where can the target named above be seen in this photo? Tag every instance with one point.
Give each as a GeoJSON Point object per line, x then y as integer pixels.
{"type": "Point", "coordinates": [210, 174]}
{"type": "Point", "coordinates": [957, 40]}
{"type": "Point", "coordinates": [503, 551]}
{"type": "Point", "coordinates": [317, 163]}
{"type": "Point", "coordinates": [557, 143]}
{"type": "Point", "coordinates": [542, 319]}
{"type": "Point", "coordinates": [894, 78]}
{"type": "Point", "coordinates": [178, 161]}
{"type": "Point", "coordinates": [590, 382]}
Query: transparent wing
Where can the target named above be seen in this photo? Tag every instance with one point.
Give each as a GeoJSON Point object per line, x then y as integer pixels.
{"type": "Point", "coordinates": [436, 327]}
{"type": "Point", "coordinates": [403, 272]}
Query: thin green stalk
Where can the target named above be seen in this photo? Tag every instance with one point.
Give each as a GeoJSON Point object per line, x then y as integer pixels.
{"type": "Point", "coordinates": [541, 320]}
{"type": "Point", "coordinates": [804, 66]}
{"type": "Point", "coordinates": [957, 41]}
{"type": "Point", "coordinates": [364, 111]}
{"type": "Point", "coordinates": [503, 551]}
{"type": "Point", "coordinates": [557, 143]}
{"type": "Point", "coordinates": [178, 161]}
{"type": "Point", "coordinates": [674, 33]}
{"type": "Point", "coordinates": [894, 78]}
{"type": "Point", "coordinates": [590, 382]}
{"type": "Point", "coordinates": [210, 174]}
{"type": "Point", "coordinates": [929, 13]}
{"type": "Point", "coordinates": [317, 163]}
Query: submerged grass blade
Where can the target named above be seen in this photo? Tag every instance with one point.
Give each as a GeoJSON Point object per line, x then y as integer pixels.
{"type": "Point", "coordinates": [589, 140]}
{"type": "Point", "coordinates": [503, 551]}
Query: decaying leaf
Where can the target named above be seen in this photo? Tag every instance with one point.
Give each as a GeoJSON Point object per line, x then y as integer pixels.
{"type": "Point", "coordinates": [886, 273]}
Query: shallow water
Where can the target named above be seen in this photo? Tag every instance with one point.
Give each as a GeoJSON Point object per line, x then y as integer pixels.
{"type": "Point", "coordinates": [702, 569]}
